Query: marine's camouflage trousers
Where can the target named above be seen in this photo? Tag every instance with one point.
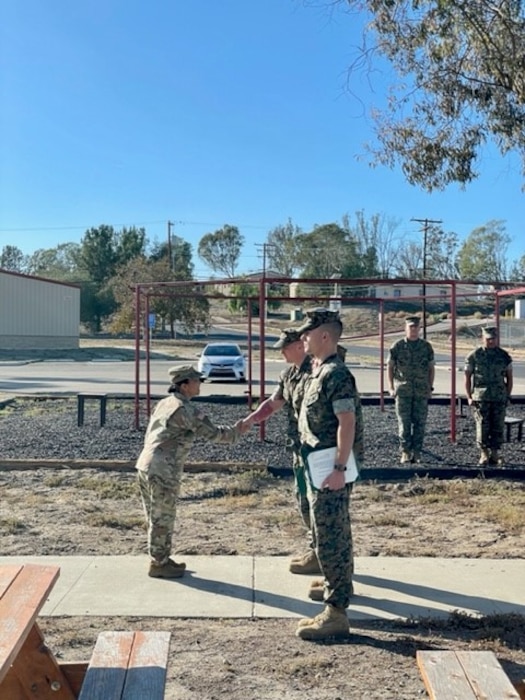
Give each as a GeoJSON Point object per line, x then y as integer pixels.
{"type": "Point", "coordinates": [301, 496]}
{"type": "Point", "coordinates": [332, 532]}
{"type": "Point", "coordinates": [159, 499]}
{"type": "Point", "coordinates": [411, 415]}
{"type": "Point", "coordinates": [490, 423]}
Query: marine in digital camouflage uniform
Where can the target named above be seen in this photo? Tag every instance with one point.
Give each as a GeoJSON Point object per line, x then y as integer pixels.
{"type": "Point", "coordinates": [288, 396]}
{"type": "Point", "coordinates": [488, 386]}
{"type": "Point", "coordinates": [330, 416]}
{"type": "Point", "coordinates": [410, 370]}
{"type": "Point", "coordinates": [173, 428]}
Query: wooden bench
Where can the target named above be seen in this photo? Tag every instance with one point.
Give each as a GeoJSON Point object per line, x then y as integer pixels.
{"type": "Point", "coordinates": [464, 675]}
{"type": "Point", "coordinates": [81, 400]}
{"type": "Point", "coordinates": [127, 666]}
{"type": "Point", "coordinates": [28, 669]}
{"type": "Point", "coordinates": [124, 665]}
{"type": "Point", "coordinates": [509, 423]}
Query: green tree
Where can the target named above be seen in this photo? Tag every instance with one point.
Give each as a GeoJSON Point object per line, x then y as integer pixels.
{"type": "Point", "coordinates": [483, 255]}
{"type": "Point", "coordinates": [327, 250]}
{"type": "Point", "coordinates": [517, 271]}
{"type": "Point", "coordinates": [12, 259]}
{"type": "Point", "coordinates": [221, 250]}
{"type": "Point", "coordinates": [129, 243]}
{"type": "Point", "coordinates": [461, 83]}
{"type": "Point", "coordinates": [98, 253]}
{"type": "Point", "coordinates": [281, 249]}
{"type": "Point", "coordinates": [61, 263]}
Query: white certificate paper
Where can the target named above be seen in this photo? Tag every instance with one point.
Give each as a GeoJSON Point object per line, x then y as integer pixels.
{"type": "Point", "coordinates": [321, 464]}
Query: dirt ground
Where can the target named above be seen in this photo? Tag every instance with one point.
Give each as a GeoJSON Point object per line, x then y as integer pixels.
{"type": "Point", "coordinates": [88, 511]}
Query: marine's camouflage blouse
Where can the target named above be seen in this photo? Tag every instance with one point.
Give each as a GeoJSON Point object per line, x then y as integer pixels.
{"type": "Point", "coordinates": [411, 361]}
{"type": "Point", "coordinates": [290, 389]}
{"type": "Point", "coordinates": [173, 428]}
{"type": "Point", "coordinates": [488, 367]}
{"type": "Point", "coordinates": [330, 389]}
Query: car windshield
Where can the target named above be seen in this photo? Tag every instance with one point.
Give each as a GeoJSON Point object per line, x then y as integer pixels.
{"type": "Point", "coordinates": [223, 350]}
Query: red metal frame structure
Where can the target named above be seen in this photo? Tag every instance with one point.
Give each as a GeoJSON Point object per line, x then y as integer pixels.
{"type": "Point", "coordinates": [147, 290]}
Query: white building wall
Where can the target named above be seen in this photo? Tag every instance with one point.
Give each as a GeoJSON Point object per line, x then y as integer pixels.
{"type": "Point", "coordinates": [38, 313]}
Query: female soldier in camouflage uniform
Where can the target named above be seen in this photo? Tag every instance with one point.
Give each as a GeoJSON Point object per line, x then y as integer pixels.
{"type": "Point", "coordinates": [173, 427]}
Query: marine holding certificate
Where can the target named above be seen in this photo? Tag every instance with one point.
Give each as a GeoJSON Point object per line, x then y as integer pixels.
{"type": "Point", "coordinates": [330, 417]}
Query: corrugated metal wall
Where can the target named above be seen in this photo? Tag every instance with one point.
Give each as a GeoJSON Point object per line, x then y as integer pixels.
{"type": "Point", "coordinates": [38, 313]}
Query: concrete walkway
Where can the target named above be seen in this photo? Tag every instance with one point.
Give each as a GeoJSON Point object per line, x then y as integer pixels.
{"type": "Point", "coordinates": [262, 587]}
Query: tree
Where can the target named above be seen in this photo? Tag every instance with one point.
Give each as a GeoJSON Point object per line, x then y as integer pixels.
{"type": "Point", "coordinates": [221, 250]}
{"type": "Point", "coordinates": [281, 248]}
{"type": "Point", "coordinates": [484, 252]}
{"type": "Point", "coordinates": [129, 243]}
{"type": "Point", "coordinates": [98, 253]}
{"type": "Point", "coordinates": [377, 242]}
{"type": "Point", "coordinates": [60, 263]}
{"type": "Point", "coordinates": [461, 83]}
{"type": "Point", "coordinates": [12, 259]}
{"type": "Point", "coordinates": [327, 250]}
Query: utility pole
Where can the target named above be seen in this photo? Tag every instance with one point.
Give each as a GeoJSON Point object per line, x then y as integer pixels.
{"type": "Point", "coordinates": [426, 223]}
{"type": "Point", "coordinates": [170, 257]}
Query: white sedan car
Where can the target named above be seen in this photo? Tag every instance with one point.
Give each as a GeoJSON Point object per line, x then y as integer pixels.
{"type": "Point", "coordinates": [222, 361]}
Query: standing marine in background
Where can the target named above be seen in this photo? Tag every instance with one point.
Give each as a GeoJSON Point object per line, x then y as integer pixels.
{"type": "Point", "coordinates": [488, 386]}
{"type": "Point", "coordinates": [410, 372]}
{"type": "Point", "coordinates": [174, 426]}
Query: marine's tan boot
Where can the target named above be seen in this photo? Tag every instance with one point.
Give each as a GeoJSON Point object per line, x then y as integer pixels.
{"type": "Point", "coordinates": [300, 557]}
{"type": "Point", "coordinates": [316, 590]}
{"type": "Point", "coordinates": [309, 564]}
{"type": "Point", "coordinates": [405, 457]}
{"type": "Point", "coordinates": [331, 623]}
{"type": "Point", "coordinates": [484, 457]}
{"type": "Point", "coordinates": [171, 569]}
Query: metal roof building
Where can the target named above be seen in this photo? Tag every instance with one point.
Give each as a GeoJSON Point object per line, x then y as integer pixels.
{"type": "Point", "coordinates": [38, 313]}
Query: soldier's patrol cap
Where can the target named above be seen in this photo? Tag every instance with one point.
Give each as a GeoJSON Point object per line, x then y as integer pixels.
{"type": "Point", "coordinates": [489, 332]}
{"type": "Point", "coordinates": [412, 320]}
{"type": "Point", "coordinates": [180, 374]}
{"type": "Point", "coordinates": [287, 337]}
{"type": "Point", "coordinates": [318, 317]}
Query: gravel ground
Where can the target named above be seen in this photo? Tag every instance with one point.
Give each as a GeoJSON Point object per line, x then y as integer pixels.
{"type": "Point", "coordinates": [47, 429]}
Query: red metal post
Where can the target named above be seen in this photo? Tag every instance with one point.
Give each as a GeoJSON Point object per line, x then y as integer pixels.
{"type": "Point", "coordinates": [147, 346]}
{"type": "Point", "coordinates": [137, 356]}
{"type": "Point", "coordinates": [453, 368]}
{"type": "Point", "coordinates": [382, 354]}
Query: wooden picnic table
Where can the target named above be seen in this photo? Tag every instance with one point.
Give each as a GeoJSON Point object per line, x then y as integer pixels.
{"type": "Point", "coordinates": [28, 669]}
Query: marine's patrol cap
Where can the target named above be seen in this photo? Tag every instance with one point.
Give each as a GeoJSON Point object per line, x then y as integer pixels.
{"type": "Point", "coordinates": [180, 374]}
{"type": "Point", "coordinates": [412, 320]}
{"type": "Point", "coordinates": [287, 337]}
{"type": "Point", "coordinates": [489, 332]}
{"type": "Point", "coordinates": [318, 317]}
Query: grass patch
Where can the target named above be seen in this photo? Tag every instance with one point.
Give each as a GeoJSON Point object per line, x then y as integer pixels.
{"type": "Point", "coordinates": [10, 526]}
{"type": "Point", "coordinates": [108, 487]}
{"type": "Point", "coordinates": [118, 522]}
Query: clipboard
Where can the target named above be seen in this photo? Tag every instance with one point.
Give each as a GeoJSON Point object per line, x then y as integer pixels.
{"type": "Point", "coordinates": [321, 463]}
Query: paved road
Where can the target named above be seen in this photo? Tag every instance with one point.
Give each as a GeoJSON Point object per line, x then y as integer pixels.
{"type": "Point", "coordinates": [69, 377]}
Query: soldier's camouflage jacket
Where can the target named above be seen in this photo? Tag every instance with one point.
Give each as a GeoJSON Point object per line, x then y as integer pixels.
{"type": "Point", "coordinates": [411, 361]}
{"type": "Point", "coordinates": [290, 389]}
{"type": "Point", "coordinates": [173, 428]}
{"type": "Point", "coordinates": [488, 367]}
{"type": "Point", "coordinates": [330, 389]}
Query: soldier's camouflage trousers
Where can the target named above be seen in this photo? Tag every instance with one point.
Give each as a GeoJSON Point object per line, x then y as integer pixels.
{"type": "Point", "coordinates": [159, 499]}
{"type": "Point", "coordinates": [411, 415]}
{"type": "Point", "coordinates": [490, 423]}
{"type": "Point", "coordinates": [330, 513]}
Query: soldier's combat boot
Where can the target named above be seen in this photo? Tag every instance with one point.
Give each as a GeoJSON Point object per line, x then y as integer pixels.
{"type": "Point", "coordinates": [405, 457]}
{"type": "Point", "coordinates": [416, 458]}
{"type": "Point", "coordinates": [331, 623]}
{"type": "Point", "coordinates": [170, 569]}
{"type": "Point", "coordinates": [309, 564]}
{"type": "Point", "coordinates": [484, 457]}
{"type": "Point", "coordinates": [496, 458]}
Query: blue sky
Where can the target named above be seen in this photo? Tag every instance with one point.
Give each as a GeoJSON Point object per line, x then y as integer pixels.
{"type": "Point", "coordinates": [202, 112]}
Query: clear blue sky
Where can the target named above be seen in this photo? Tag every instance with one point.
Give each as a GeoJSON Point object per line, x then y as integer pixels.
{"type": "Point", "coordinates": [202, 112]}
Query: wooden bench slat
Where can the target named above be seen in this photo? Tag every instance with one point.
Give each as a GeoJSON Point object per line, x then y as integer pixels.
{"type": "Point", "coordinates": [127, 666]}
{"type": "Point", "coordinates": [486, 675]}
{"type": "Point", "coordinates": [464, 675]}
{"type": "Point", "coordinates": [146, 676]}
{"type": "Point", "coordinates": [443, 676]}
{"type": "Point", "coordinates": [20, 604]}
